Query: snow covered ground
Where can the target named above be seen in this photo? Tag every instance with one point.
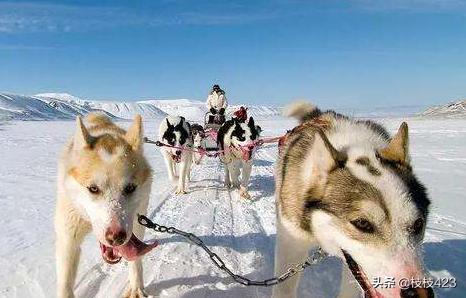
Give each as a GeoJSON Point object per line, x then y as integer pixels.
{"type": "Point", "coordinates": [242, 232]}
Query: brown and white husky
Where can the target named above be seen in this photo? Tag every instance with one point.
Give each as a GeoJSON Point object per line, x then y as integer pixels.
{"type": "Point", "coordinates": [103, 182]}
{"type": "Point", "coordinates": [348, 186]}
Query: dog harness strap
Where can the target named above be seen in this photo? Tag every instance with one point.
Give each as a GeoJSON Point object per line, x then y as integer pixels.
{"type": "Point", "coordinates": [246, 149]}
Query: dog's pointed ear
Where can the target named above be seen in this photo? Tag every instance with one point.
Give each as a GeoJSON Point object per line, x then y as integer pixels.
{"type": "Point", "coordinates": [134, 134]}
{"type": "Point", "coordinates": [82, 138]}
{"type": "Point", "coordinates": [180, 124]}
{"type": "Point", "coordinates": [398, 149]}
{"type": "Point", "coordinates": [251, 122]}
{"type": "Point", "coordinates": [169, 125]}
{"type": "Point", "coordinates": [324, 156]}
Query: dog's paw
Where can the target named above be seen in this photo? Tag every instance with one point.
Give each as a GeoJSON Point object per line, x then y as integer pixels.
{"type": "Point", "coordinates": [180, 191]}
{"type": "Point", "coordinates": [68, 294]}
{"type": "Point", "coordinates": [227, 184]}
{"type": "Point", "coordinates": [235, 184]}
{"type": "Point", "coordinates": [243, 192]}
{"type": "Point", "coordinates": [135, 293]}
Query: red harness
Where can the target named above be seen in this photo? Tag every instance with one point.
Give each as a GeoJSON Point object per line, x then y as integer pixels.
{"type": "Point", "coordinates": [246, 150]}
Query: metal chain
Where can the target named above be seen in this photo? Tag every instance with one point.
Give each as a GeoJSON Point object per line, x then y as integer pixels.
{"type": "Point", "coordinates": [313, 259]}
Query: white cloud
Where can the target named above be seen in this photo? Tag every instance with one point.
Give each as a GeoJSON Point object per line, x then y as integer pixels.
{"type": "Point", "coordinates": [412, 5]}
{"type": "Point", "coordinates": [17, 47]}
{"type": "Point", "coordinates": [40, 17]}
{"type": "Point", "coordinates": [32, 17]}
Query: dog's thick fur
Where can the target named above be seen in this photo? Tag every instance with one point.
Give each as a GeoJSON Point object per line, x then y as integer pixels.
{"type": "Point", "coordinates": [231, 136]}
{"type": "Point", "coordinates": [344, 184]}
{"type": "Point", "coordinates": [103, 182]}
{"type": "Point", "coordinates": [198, 135]}
{"type": "Point", "coordinates": [176, 131]}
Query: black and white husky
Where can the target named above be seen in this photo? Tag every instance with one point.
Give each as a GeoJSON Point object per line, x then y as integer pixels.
{"type": "Point", "coordinates": [198, 134]}
{"type": "Point", "coordinates": [237, 140]}
{"type": "Point", "coordinates": [176, 132]}
{"type": "Point", "coordinates": [347, 186]}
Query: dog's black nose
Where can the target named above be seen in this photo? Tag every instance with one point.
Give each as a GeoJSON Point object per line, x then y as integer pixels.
{"type": "Point", "coordinates": [178, 152]}
{"type": "Point", "coordinates": [417, 293]}
{"type": "Point", "coordinates": [115, 238]}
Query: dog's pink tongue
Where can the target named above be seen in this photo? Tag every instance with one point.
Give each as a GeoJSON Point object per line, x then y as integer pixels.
{"type": "Point", "coordinates": [134, 248]}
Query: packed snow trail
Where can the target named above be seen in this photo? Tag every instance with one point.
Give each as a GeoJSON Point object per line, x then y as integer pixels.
{"type": "Point", "coordinates": [241, 232]}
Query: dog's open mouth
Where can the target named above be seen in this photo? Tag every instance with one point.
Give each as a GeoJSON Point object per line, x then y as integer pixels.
{"type": "Point", "coordinates": [360, 276]}
{"type": "Point", "coordinates": [133, 249]}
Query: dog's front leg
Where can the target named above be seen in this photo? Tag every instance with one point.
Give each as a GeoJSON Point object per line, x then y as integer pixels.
{"type": "Point", "coordinates": [170, 165]}
{"type": "Point", "coordinates": [190, 170]}
{"type": "Point", "coordinates": [70, 231]}
{"type": "Point", "coordinates": [185, 166]}
{"type": "Point", "coordinates": [227, 182]}
{"type": "Point", "coordinates": [245, 175]}
{"type": "Point", "coordinates": [233, 168]}
{"type": "Point", "coordinates": [289, 251]}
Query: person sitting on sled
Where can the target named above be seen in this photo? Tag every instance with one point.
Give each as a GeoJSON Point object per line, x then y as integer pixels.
{"type": "Point", "coordinates": [217, 103]}
{"type": "Point", "coordinates": [241, 114]}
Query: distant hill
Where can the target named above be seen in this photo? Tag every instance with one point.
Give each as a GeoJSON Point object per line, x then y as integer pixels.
{"type": "Point", "coordinates": [20, 107]}
{"type": "Point", "coordinates": [63, 106]}
{"type": "Point", "coordinates": [451, 110]}
{"type": "Point", "coordinates": [193, 110]}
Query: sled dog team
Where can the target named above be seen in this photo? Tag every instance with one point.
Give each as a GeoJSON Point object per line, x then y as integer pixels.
{"type": "Point", "coordinates": [342, 184]}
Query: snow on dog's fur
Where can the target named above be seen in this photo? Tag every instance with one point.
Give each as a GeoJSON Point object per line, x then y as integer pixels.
{"type": "Point", "coordinates": [175, 131]}
{"type": "Point", "coordinates": [345, 185]}
{"type": "Point", "coordinates": [236, 139]}
{"type": "Point", "coordinates": [103, 182]}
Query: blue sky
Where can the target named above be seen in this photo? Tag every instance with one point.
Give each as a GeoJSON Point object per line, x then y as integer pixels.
{"type": "Point", "coordinates": [355, 53]}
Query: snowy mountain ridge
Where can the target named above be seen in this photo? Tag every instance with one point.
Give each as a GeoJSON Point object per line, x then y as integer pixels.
{"type": "Point", "coordinates": [63, 106]}
{"type": "Point", "coordinates": [455, 109]}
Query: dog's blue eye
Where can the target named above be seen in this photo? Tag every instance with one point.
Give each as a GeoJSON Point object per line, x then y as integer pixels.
{"type": "Point", "coordinates": [363, 225]}
{"type": "Point", "coordinates": [93, 189]}
{"type": "Point", "coordinates": [129, 189]}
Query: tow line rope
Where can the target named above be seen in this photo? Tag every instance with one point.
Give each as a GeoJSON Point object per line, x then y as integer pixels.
{"type": "Point", "coordinates": [215, 153]}
{"type": "Point", "coordinates": [201, 151]}
{"type": "Point", "coordinates": [313, 259]}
